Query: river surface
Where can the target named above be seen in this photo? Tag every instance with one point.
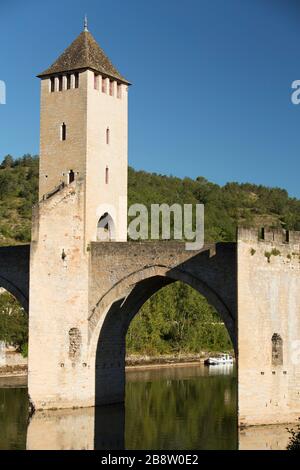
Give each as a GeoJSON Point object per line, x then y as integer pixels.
{"type": "Point", "coordinates": [187, 407]}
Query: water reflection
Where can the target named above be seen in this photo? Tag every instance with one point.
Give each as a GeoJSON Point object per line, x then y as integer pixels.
{"type": "Point", "coordinates": [181, 408]}
{"type": "Point", "coordinates": [275, 437]}
{"type": "Point", "coordinates": [167, 408]}
{"type": "Point", "coordinates": [82, 429]}
{"type": "Point", "coordinates": [13, 418]}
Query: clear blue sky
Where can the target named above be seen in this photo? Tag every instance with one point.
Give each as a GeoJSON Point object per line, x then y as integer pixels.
{"type": "Point", "coordinates": [212, 81]}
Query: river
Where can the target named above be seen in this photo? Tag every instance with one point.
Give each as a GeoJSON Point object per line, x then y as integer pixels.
{"type": "Point", "coordinates": [187, 407]}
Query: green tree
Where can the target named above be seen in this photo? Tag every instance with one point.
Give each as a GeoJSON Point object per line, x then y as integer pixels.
{"type": "Point", "coordinates": [13, 322]}
{"type": "Point", "coordinates": [294, 442]}
{"type": "Point", "coordinates": [7, 162]}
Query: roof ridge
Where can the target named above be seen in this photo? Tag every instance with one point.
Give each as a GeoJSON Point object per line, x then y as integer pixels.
{"type": "Point", "coordinates": [85, 35]}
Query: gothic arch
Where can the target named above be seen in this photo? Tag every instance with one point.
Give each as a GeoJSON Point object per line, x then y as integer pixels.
{"type": "Point", "coordinates": [163, 276]}
{"type": "Point", "coordinates": [14, 272]}
{"type": "Point", "coordinates": [111, 317]}
{"type": "Point", "coordinates": [12, 289]}
{"type": "Point", "coordinates": [106, 230]}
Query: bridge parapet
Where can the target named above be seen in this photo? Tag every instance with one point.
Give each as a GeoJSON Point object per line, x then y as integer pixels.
{"type": "Point", "coordinates": [269, 235]}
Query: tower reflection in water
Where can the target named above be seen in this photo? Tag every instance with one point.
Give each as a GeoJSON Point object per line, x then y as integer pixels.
{"type": "Point", "coordinates": [98, 428]}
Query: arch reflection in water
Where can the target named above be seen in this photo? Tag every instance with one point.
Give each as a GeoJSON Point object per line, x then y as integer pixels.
{"type": "Point", "coordinates": [167, 408]}
{"type": "Point", "coordinates": [98, 428]}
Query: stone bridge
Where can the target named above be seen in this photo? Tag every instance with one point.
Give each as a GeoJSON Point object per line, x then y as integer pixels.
{"type": "Point", "coordinates": [123, 276]}
{"type": "Point", "coordinates": [77, 333]}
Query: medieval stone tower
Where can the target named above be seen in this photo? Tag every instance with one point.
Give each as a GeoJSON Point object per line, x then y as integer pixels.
{"type": "Point", "coordinates": [84, 292]}
{"type": "Point", "coordinates": [84, 133]}
{"type": "Point", "coordinates": [83, 198]}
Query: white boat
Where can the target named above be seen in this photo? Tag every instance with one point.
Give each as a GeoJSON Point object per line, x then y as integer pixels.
{"type": "Point", "coordinates": [220, 360]}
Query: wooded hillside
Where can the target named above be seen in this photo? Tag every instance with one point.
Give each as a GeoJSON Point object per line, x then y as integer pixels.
{"type": "Point", "coordinates": [176, 319]}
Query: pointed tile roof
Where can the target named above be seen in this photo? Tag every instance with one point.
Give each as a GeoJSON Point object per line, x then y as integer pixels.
{"type": "Point", "coordinates": [84, 53]}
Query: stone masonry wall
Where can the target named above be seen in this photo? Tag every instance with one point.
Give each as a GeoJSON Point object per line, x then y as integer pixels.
{"type": "Point", "coordinates": [268, 326]}
{"type": "Point", "coordinates": [58, 367]}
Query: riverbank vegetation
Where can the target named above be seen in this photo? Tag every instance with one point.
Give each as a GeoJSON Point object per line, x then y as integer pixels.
{"type": "Point", "coordinates": [176, 319]}
{"type": "Point", "coordinates": [13, 323]}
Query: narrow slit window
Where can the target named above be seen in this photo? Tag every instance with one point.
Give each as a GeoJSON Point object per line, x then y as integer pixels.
{"type": "Point", "coordinates": [68, 82]}
{"type": "Point", "coordinates": [63, 132]}
{"type": "Point", "coordinates": [60, 83]}
{"type": "Point", "coordinates": [71, 176]}
{"type": "Point", "coordinates": [106, 175]}
{"type": "Point", "coordinates": [52, 84]}
{"type": "Point", "coordinates": [77, 80]}
{"type": "Point", "coordinates": [107, 136]}
{"type": "Point", "coordinates": [111, 88]}
{"type": "Point", "coordinates": [103, 85]}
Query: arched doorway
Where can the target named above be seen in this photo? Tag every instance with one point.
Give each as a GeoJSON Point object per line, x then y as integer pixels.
{"type": "Point", "coordinates": [105, 228]}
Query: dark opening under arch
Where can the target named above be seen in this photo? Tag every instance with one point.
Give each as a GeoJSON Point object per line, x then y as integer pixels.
{"type": "Point", "coordinates": [105, 228]}
{"type": "Point", "coordinates": [110, 354]}
{"type": "Point", "coordinates": [14, 272]}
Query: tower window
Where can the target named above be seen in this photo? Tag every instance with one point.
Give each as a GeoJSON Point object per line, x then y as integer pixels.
{"type": "Point", "coordinates": [103, 85]}
{"type": "Point", "coordinates": [96, 81]}
{"type": "Point", "coordinates": [60, 83]}
{"type": "Point", "coordinates": [71, 177]}
{"type": "Point", "coordinates": [105, 228]}
{"type": "Point", "coordinates": [63, 131]}
{"type": "Point", "coordinates": [77, 80]}
{"type": "Point", "coordinates": [106, 175]}
{"type": "Point", "coordinates": [107, 136]}
{"type": "Point", "coordinates": [68, 82]}
{"type": "Point", "coordinates": [111, 87]}
{"type": "Point", "coordinates": [119, 90]}
{"type": "Point", "coordinates": [287, 236]}
{"type": "Point", "coordinates": [52, 84]}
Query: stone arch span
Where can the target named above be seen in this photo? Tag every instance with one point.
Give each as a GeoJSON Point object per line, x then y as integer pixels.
{"type": "Point", "coordinates": [113, 312]}
{"type": "Point", "coordinates": [14, 272]}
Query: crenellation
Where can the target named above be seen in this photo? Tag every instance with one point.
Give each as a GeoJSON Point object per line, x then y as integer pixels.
{"type": "Point", "coordinates": [268, 235]}
{"type": "Point", "coordinates": [247, 233]}
{"type": "Point", "coordinates": [273, 235]}
{"type": "Point", "coordinates": [294, 237]}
